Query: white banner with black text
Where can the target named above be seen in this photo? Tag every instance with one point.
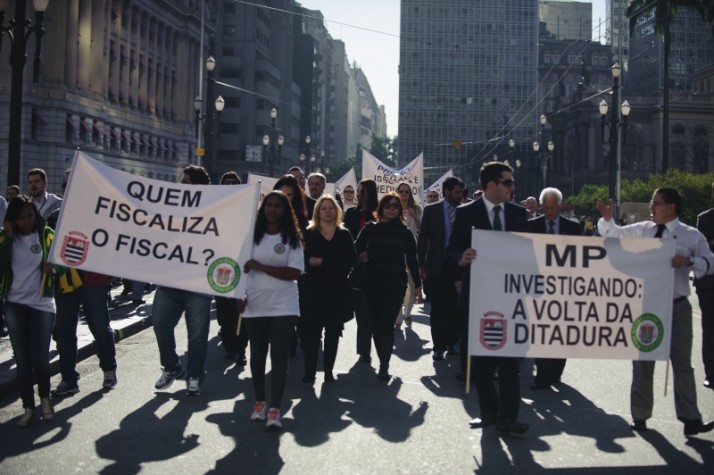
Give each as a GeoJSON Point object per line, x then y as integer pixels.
{"type": "Point", "coordinates": [552, 296]}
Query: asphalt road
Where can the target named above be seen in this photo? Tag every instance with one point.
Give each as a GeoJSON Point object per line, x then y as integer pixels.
{"type": "Point", "coordinates": [417, 424]}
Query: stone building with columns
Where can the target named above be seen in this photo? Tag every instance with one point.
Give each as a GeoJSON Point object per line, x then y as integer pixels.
{"type": "Point", "coordinates": [117, 80]}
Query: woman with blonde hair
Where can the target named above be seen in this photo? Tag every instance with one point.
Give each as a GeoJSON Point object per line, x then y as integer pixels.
{"type": "Point", "coordinates": [413, 213]}
{"type": "Point", "coordinates": [329, 256]}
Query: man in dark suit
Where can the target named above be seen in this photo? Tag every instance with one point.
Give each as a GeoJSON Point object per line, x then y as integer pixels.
{"type": "Point", "coordinates": [705, 292]}
{"type": "Point", "coordinates": [434, 233]}
{"type": "Point", "coordinates": [493, 211]}
{"type": "Point", "coordinates": [549, 370]}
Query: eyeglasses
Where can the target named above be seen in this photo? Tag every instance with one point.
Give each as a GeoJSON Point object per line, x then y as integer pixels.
{"type": "Point", "coordinates": [406, 190]}
{"type": "Point", "coordinates": [508, 183]}
{"type": "Point", "coordinates": [393, 205]}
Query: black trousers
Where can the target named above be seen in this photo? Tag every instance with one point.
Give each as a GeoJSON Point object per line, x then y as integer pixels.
{"type": "Point", "coordinates": [312, 336]}
{"type": "Point", "coordinates": [364, 323]}
{"type": "Point", "coordinates": [706, 304]}
{"type": "Point", "coordinates": [444, 318]}
{"type": "Point", "coordinates": [384, 304]}
{"type": "Point", "coordinates": [227, 316]}
{"type": "Point", "coordinates": [501, 403]}
{"type": "Point", "coordinates": [276, 334]}
{"type": "Point", "coordinates": [548, 371]}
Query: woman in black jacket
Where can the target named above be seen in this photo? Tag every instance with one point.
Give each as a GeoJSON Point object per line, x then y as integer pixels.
{"type": "Point", "coordinates": [386, 246]}
{"type": "Point", "coordinates": [329, 256]}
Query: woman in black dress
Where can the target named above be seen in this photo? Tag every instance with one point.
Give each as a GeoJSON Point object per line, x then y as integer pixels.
{"type": "Point", "coordinates": [386, 246]}
{"type": "Point", "coordinates": [329, 256]}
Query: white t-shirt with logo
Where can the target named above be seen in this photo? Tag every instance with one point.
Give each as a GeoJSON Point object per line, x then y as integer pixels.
{"type": "Point", "coordinates": [268, 296]}
{"type": "Point", "coordinates": [27, 275]}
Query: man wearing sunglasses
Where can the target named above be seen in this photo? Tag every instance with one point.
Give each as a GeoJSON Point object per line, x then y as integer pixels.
{"type": "Point", "coordinates": [494, 211]}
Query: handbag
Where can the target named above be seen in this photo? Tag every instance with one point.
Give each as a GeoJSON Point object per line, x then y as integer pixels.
{"type": "Point", "coordinates": [357, 275]}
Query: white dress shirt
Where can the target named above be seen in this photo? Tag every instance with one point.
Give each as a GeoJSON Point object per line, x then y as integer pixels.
{"type": "Point", "coordinates": [689, 243]}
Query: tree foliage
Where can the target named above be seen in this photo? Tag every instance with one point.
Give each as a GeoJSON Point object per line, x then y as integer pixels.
{"type": "Point", "coordinates": [695, 189]}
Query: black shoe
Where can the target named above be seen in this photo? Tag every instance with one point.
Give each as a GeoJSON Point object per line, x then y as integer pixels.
{"type": "Point", "coordinates": [510, 427]}
{"type": "Point", "coordinates": [539, 386]}
{"type": "Point", "coordinates": [639, 425]}
{"type": "Point", "coordinates": [329, 377]}
{"type": "Point", "coordinates": [452, 350]}
{"type": "Point", "coordinates": [482, 422]}
{"type": "Point", "coordinates": [438, 355]}
{"type": "Point", "coordinates": [126, 291]}
{"type": "Point", "coordinates": [138, 301]}
{"type": "Point", "coordinates": [241, 360]}
{"type": "Point", "coordinates": [365, 359]}
{"type": "Point", "coordinates": [383, 374]}
{"type": "Point", "coordinates": [308, 379]}
{"type": "Point", "coordinates": [697, 427]}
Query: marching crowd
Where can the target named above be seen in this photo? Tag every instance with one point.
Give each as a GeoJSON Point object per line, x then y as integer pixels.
{"type": "Point", "coordinates": [318, 261]}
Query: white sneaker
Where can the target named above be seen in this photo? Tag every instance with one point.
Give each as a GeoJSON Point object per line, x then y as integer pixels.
{"type": "Point", "coordinates": [274, 419]}
{"type": "Point", "coordinates": [258, 413]}
{"type": "Point", "coordinates": [193, 387]}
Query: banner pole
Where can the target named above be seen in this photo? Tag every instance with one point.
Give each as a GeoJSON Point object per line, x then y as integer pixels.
{"type": "Point", "coordinates": [666, 378]}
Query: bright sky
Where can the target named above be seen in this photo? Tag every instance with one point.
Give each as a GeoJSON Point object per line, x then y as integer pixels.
{"type": "Point", "coordinates": [354, 22]}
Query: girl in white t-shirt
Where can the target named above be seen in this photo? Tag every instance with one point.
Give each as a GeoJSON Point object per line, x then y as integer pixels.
{"type": "Point", "coordinates": [271, 305]}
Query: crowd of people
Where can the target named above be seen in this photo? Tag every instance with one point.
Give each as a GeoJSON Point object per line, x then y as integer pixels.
{"type": "Point", "coordinates": [317, 261]}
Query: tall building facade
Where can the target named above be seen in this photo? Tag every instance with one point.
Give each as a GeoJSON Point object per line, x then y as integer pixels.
{"type": "Point", "coordinates": [113, 82]}
{"type": "Point", "coordinates": [566, 19]}
{"type": "Point", "coordinates": [467, 74]}
{"type": "Point", "coordinates": [618, 31]}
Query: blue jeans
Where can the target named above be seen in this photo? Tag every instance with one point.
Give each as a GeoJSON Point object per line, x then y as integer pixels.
{"type": "Point", "coordinates": [94, 300]}
{"type": "Point", "coordinates": [30, 332]}
{"type": "Point", "coordinates": [168, 306]}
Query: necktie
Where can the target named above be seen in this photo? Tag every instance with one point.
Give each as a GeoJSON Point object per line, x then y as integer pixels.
{"type": "Point", "coordinates": [497, 218]}
{"type": "Point", "coordinates": [660, 230]}
{"type": "Point", "coordinates": [551, 229]}
{"type": "Point", "coordinates": [452, 213]}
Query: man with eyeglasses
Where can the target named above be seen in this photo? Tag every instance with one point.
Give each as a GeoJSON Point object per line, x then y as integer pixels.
{"type": "Point", "coordinates": [692, 255]}
{"type": "Point", "coordinates": [494, 211]}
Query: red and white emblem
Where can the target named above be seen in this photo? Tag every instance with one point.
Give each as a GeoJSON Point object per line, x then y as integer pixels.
{"type": "Point", "coordinates": [224, 274]}
{"type": "Point", "coordinates": [494, 331]}
{"type": "Point", "coordinates": [74, 248]}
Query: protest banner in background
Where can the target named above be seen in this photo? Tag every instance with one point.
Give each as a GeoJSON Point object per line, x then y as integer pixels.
{"type": "Point", "coordinates": [266, 184]}
{"type": "Point", "coordinates": [388, 179]}
{"type": "Point", "coordinates": [348, 179]}
{"type": "Point", "coordinates": [552, 296]}
{"type": "Point", "coordinates": [436, 186]}
{"type": "Point", "coordinates": [183, 236]}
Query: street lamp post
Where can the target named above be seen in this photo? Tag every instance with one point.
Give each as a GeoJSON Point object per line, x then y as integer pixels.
{"type": "Point", "coordinates": [307, 158]}
{"type": "Point", "coordinates": [614, 124]}
{"type": "Point", "coordinates": [205, 133]}
{"type": "Point", "coordinates": [270, 140]}
{"type": "Point", "coordinates": [540, 149]}
{"type": "Point", "coordinates": [19, 31]}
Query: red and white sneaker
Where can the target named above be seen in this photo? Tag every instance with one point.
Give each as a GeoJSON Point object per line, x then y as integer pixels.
{"type": "Point", "coordinates": [274, 419]}
{"type": "Point", "coordinates": [258, 413]}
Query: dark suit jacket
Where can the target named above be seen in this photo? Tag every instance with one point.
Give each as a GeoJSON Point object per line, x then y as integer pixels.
{"type": "Point", "coordinates": [705, 225]}
{"type": "Point", "coordinates": [431, 240]}
{"type": "Point", "coordinates": [474, 215]}
{"type": "Point", "coordinates": [566, 226]}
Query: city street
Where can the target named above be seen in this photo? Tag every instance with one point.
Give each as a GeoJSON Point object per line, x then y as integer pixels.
{"type": "Point", "coordinates": [418, 423]}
